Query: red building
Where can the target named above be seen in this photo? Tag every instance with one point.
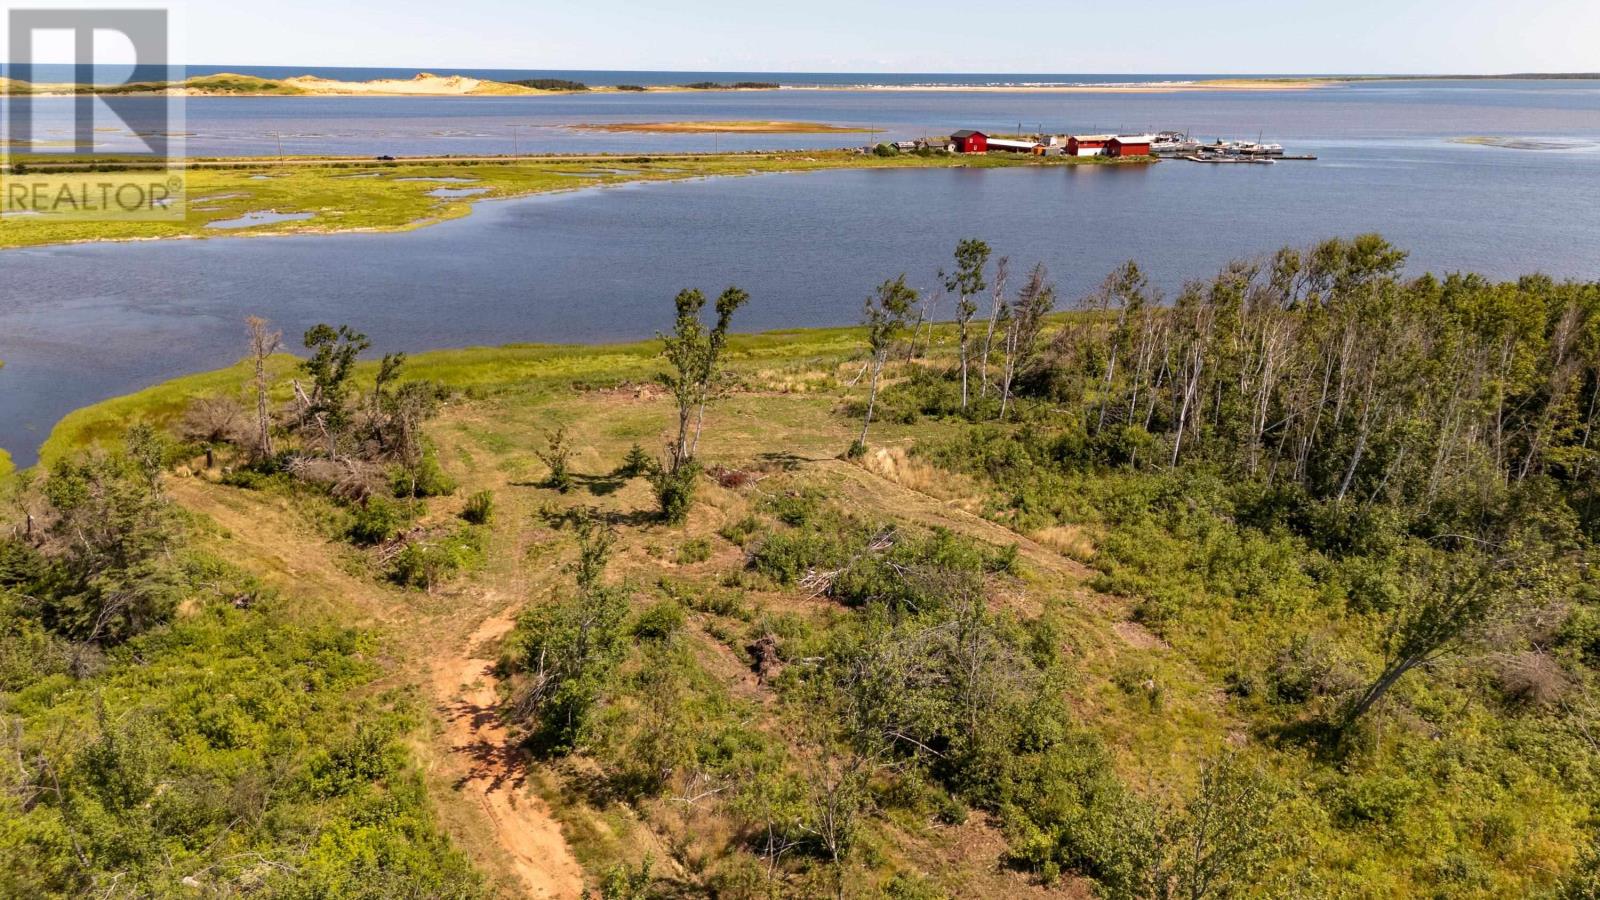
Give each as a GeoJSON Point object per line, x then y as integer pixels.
{"type": "Point", "coordinates": [1129, 145]}
{"type": "Point", "coordinates": [969, 141]}
{"type": "Point", "coordinates": [1087, 144]}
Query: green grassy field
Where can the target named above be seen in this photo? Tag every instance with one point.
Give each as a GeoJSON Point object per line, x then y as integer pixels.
{"type": "Point", "coordinates": [481, 371]}
{"type": "Point", "coordinates": [361, 195]}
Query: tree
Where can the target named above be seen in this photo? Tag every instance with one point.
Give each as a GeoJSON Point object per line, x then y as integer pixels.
{"type": "Point", "coordinates": [111, 533]}
{"type": "Point", "coordinates": [263, 343]}
{"type": "Point", "coordinates": [1449, 601]}
{"type": "Point", "coordinates": [1124, 291]}
{"type": "Point", "coordinates": [333, 359]}
{"type": "Point", "coordinates": [998, 310]}
{"type": "Point", "coordinates": [884, 316]}
{"type": "Point", "coordinates": [403, 411]}
{"type": "Point", "coordinates": [695, 354]}
{"type": "Point", "coordinates": [1034, 302]}
{"type": "Point", "coordinates": [696, 358]}
{"type": "Point", "coordinates": [966, 282]}
{"type": "Point", "coordinates": [1220, 842]}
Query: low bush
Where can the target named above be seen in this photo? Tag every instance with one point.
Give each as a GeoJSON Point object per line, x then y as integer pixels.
{"type": "Point", "coordinates": [480, 508]}
{"type": "Point", "coordinates": [551, 84]}
{"type": "Point", "coordinates": [659, 622]}
{"type": "Point", "coordinates": [431, 561]}
{"type": "Point", "coordinates": [675, 492]}
{"type": "Point", "coordinates": [696, 550]}
{"type": "Point", "coordinates": [426, 479]}
{"type": "Point", "coordinates": [378, 520]}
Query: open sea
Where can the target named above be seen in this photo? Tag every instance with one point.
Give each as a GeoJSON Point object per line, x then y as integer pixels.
{"type": "Point", "coordinates": [81, 323]}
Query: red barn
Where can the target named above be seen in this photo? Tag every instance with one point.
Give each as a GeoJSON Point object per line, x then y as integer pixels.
{"type": "Point", "coordinates": [1130, 145]}
{"type": "Point", "coordinates": [1087, 144]}
{"type": "Point", "coordinates": [969, 141]}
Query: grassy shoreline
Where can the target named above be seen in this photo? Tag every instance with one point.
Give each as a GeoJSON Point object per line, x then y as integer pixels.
{"type": "Point", "coordinates": [479, 371]}
{"type": "Point", "coordinates": [327, 195]}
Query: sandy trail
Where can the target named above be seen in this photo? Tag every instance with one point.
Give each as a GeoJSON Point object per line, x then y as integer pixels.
{"type": "Point", "coordinates": [480, 761]}
{"type": "Point", "coordinates": [491, 771]}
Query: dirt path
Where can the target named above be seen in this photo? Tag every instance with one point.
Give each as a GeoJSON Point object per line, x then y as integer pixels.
{"type": "Point", "coordinates": [457, 669]}
{"type": "Point", "coordinates": [493, 773]}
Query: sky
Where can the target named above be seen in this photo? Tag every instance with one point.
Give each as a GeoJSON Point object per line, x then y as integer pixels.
{"type": "Point", "coordinates": [1017, 36]}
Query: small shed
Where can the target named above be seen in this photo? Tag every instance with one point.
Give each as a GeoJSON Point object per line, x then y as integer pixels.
{"type": "Point", "coordinates": [1088, 144]}
{"type": "Point", "coordinates": [1130, 145]}
{"type": "Point", "coordinates": [969, 141]}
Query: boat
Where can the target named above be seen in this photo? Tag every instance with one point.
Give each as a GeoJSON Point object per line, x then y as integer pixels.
{"type": "Point", "coordinates": [1227, 158]}
{"type": "Point", "coordinates": [1173, 143]}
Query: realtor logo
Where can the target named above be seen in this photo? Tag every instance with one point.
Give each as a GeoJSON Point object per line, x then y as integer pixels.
{"type": "Point", "coordinates": [86, 133]}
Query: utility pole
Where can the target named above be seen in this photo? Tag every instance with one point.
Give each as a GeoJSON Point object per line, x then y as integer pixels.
{"type": "Point", "coordinates": [516, 149]}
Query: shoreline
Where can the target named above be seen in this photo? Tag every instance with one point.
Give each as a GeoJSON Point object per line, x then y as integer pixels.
{"type": "Point", "coordinates": [425, 84]}
{"type": "Point", "coordinates": [398, 198]}
{"type": "Point", "coordinates": [56, 92]}
{"type": "Point", "coordinates": [713, 127]}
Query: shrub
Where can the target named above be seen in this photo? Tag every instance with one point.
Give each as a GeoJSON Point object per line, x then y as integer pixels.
{"type": "Point", "coordinates": [630, 87]}
{"type": "Point", "coordinates": [377, 520]}
{"type": "Point", "coordinates": [480, 508]}
{"type": "Point", "coordinates": [426, 479]}
{"type": "Point", "coordinates": [429, 562]}
{"type": "Point", "coordinates": [552, 84]}
{"type": "Point", "coordinates": [797, 508]}
{"type": "Point", "coordinates": [675, 492]}
{"type": "Point", "coordinates": [1529, 678]}
{"type": "Point", "coordinates": [635, 464]}
{"type": "Point", "coordinates": [556, 455]}
{"type": "Point", "coordinates": [659, 622]}
{"type": "Point", "coordinates": [742, 531]}
{"type": "Point", "coordinates": [562, 657]}
{"type": "Point", "coordinates": [694, 551]}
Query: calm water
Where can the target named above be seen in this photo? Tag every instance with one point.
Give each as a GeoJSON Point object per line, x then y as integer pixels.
{"type": "Point", "coordinates": [78, 324]}
{"type": "Point", "coordinates": [1378, 112]}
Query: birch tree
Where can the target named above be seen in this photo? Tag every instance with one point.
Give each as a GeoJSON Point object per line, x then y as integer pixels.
{"type": "Point", "coordinates": [966, 282]}
{"type": "Point", "coordinates": [263, 343]}
{"type": "Point", "coordinates": [884, 317]}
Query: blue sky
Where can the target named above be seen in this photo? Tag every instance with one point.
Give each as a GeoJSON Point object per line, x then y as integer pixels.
{"type": "Point", "coordinates": [907, 35]}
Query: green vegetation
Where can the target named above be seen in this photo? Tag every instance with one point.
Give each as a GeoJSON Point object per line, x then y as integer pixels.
{"type": "Point", "coordinates": [736, 86]}
{"type": "Point", "coordinates": [551, 84]}
{"type": "Point", "coordinates": [200, 84]}
{"type": "Point", "coordinates": [226, 748]}
{"type": "Point", "coordinates": [1283, 588]}
{"type": "Point", "coordinates": [359, 195]}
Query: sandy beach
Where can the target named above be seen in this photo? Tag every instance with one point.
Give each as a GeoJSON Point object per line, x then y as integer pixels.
{"type": "Point", "coordinates": [427, 84]}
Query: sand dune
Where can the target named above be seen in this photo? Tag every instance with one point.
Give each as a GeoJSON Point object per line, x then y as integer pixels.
{"type": "Point", "coordinates": [423, 84]}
